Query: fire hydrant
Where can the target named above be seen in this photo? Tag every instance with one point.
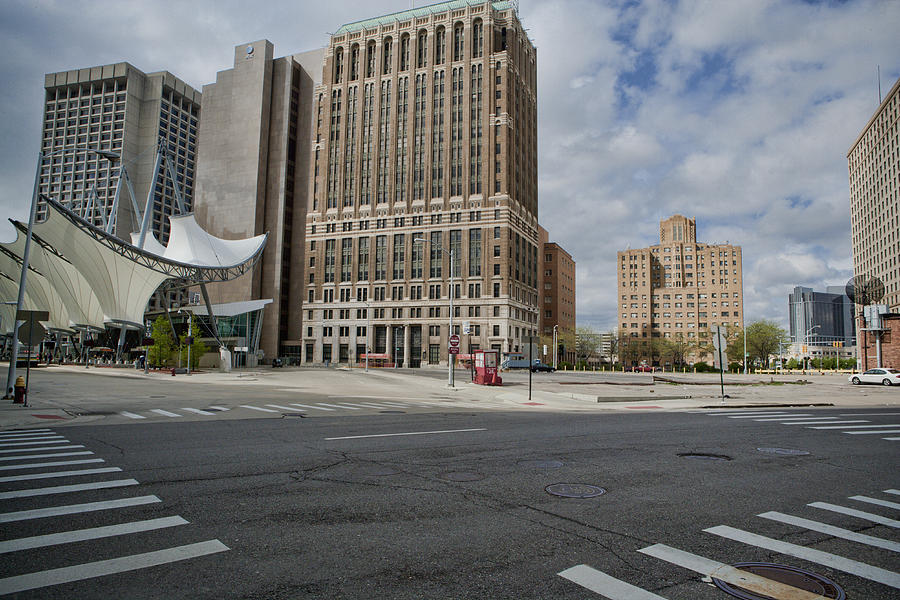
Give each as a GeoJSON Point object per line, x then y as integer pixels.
{"type": "Point", "coordinates": [19, 397]}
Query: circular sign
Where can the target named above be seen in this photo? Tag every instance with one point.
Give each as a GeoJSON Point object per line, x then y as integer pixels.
{"type": "Point", "coordinates": [454, 340]}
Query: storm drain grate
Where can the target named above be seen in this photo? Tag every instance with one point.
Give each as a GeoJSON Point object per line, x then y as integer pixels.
{"type": "Point", "coordinates": [704, 456]}
{"type": "Point", "coordinates": [792, 576]}
{"type": "Point", "coordinates": [574, 490]}
{"type": "Point", "coordinates": [783, 451]}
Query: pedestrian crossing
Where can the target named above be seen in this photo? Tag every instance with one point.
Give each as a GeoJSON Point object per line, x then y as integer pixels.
{"type": "Point", "coordinates": [848, 424]}
{"type": "Point", "coordinates": [63, 517]}
{"type": "Point", "coordinates": [334, 406]}
{"type": "Point", "coordinates": [882, 550]}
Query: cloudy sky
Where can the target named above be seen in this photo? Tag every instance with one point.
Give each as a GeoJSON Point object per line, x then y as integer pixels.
{"type": "Point", "coordinates": [736, 112]}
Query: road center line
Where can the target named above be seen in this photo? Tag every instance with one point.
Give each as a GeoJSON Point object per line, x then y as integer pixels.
{"type": "Point", "coordinates": [376, 435]}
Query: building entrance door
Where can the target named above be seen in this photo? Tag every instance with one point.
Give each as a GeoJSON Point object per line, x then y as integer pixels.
{"type": "Point", "coordinates": [415, 346]}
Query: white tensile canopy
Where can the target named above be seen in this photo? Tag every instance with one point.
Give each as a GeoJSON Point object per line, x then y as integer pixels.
{"type": "Point", "coordinates": [39, 293]}
{"type": "Point", "coordinates": [190, 244]}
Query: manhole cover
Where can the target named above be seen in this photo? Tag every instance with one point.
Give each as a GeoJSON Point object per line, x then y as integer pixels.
{"type": "Point", "coordinates": [783, 451]}
{"type": "Point", "coordinates": [792, 576]}
{"type": "Point", "coordinates": [461, 476]}
{"type": "Point", "coordinates": [704, 456]}
{"type": "Point", "coordinates": [541, 464]}
{"type": "Point", "coordinates": [574, 490]}
{"type": "Point", "coordinates": [392, 412]}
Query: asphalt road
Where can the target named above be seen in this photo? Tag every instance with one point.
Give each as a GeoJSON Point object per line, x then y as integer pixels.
{"type": "Point", "coordinates": [403, 504]}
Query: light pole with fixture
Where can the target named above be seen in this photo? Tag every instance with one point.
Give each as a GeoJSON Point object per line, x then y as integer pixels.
{"type": "Point", "coordinates": [809, 334]}
{"type": "Point", "coordinates": [555, 346]}
{"type": "Point", "coordinates": [450, 357]}
{"type": "Point", "coordinates": [26, 252]}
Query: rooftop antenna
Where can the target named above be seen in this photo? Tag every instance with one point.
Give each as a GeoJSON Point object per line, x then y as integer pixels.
{"type": "Point", "coordinates": [879, 84]}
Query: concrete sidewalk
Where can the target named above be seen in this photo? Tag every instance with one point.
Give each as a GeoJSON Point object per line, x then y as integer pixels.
{"type": "Point", "coordinates": [561, 392]}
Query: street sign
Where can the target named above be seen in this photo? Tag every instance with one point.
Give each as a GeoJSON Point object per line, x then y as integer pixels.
{"type": "Point", "coordinates": [454, 349]}
{"type": "Point", "coordinates": [720, 342]}
{"type": "Point", "coordinates": [467, 327]}
{"type": "Point", "coordinates": [454, 341]}
{"type": "Point", "coordinates": [33, 315]}
{"type": "Point", "coordinates": [31, 332]}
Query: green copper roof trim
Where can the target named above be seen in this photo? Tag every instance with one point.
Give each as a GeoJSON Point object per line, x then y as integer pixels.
{"type": "Point", "coordinates": [419, 12]}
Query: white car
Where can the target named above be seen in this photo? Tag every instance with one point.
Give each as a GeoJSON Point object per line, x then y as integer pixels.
{"type": "Point", "coordinates": [882, 376]}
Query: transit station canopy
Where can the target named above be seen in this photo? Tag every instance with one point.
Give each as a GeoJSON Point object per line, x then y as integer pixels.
{"type": "Point", "coordinates": [88, 278]}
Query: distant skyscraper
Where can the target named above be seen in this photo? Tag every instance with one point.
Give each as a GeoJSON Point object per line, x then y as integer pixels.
{"type": "Point", "coordinates": [874, 164]}
{"type": "Point", "coordinates": [425, 129]}
{"type": "Point", "coordinates": [677, 289]}
{"type": "Point", "coordinates": [119, 108]}
{"type": "Point", "coordinates": [821, 318]}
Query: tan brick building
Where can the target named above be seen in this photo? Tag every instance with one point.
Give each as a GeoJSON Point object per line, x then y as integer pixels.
{"type": "Point", "coordinates": [677, 290]}
{"type": "Point", "coordinates": [557, 285]}
{"type": "Point", "coordinates": [425, 128]}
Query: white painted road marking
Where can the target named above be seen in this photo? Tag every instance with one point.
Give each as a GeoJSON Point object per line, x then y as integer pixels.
{"type": "Point", "coordinates": [65, 489]}
{"type": "Point", "coordinates": [131, 415]}
{"type": "Point", "coordinates": [859, 427]}
{"type": "Point", "coordinates": [871, 432]}
{"type": "Point", "coordinates": [164, 413]}
{"type": "Point", "coordinates": [94, 533]}
{"type": "Point", "coordinates": [832, 561]}
{"type": "Point", "coordinates": [609, 587]}
{"type": "Point", "coordinates": [41, 449]}
{"type": "Point", "coordinates": [24, 431]}
{"type": "Point", "coordinates": [219, 408]}
{"type": "Point", "coordinates": [312, 407]}
{"type": "Point", "coordinates": [790, 418]}
{"type": "Point", "coordinates": [41, 579]}
{"type": "Point", "coordinates": [198, 411]}
{"type": "Point", "coordinates": [752, 416]}
{"type": "Point", "coordinates": [856, 513]}
{"type": "Point", "coordinates": [28, 438]}
{"type": "Point", "coordinates": [52, 464]}
{"type": "Point", "coordinates": [377, 435]}
{"type": "Point", "coordinates": [268, 410]}
{"type": "Point", "coordinates": [337, 406]}
{"type": "Point", "coordinates": [59, 474]}
{"type": "Point", "coordinates": [895, 492]}
{"type": "Point", "coordinates": [830, 423]}
{"type": "Point", "coordinates": [59, 440]}
{"type": "Point", "coordinates": [71, 509]}
{"type": "Point", "coordinates": [876, 501]}
{"type": "Point", "coordinates": [832, 530]}
{"type": "Point", "coordinates": [18, 434]}
{"type": "Point", "coordinates": [278, 406]}
{"type": "Point", "coordinates": [56, 454]}
{"type": "Point", "coordinates": [728, 574]}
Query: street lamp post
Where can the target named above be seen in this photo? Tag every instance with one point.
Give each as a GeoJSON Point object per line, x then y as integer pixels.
{"type": "Point", "coordinates": [450, 357]}
{"type": "Point", "coordinates": [26, 253]}
{"type": "Point", "coordinates": [809, 334]}
{"type": "Point", "coordinates": [555, 346]}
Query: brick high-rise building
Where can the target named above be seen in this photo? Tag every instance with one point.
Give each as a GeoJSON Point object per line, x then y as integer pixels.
{"type": "Point", "coordinates": [557, 292]}
{"type": "Point", "coordinates": [425, 128]}
{"type": "Point", "coordinates": [678, 290]}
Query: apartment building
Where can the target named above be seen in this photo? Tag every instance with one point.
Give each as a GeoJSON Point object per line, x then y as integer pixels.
{"type": "Point", "coordinates": [118, 108]}
{"type": "Point", "coordinates": [424, 187]}
{"type": "Point", "coordinates": [557, 285]}
{"type": "Point", "coordinates": [678, 290]}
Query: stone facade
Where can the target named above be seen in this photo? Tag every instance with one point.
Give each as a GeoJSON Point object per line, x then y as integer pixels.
{"type": "Point", "coordinates": [678, 289]}
{"type": "Point", "coordinates": [425, 128]}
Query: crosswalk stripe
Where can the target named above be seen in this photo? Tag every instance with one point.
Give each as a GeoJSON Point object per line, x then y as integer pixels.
{"type": "Point", "coordinates": [280, 407]}
{"type": "Point", "coordinates": [893, 439]}
{"type": "Point", "coordinates": [876, 501]}
{"type": "Point", "coordinates": [313, 407]}
{"type": "Point", "coordinates": [830, 422]}
{"type": "Point", "coordinates": [791, 418]}
{"type": "Point", "coordinates": [71, 509]}
{"type": "Point", "coordinates": [395, 404]}
{"type": "Point", "coordinates": [751, 416]}
{"type": "Point", "coordinates": [895, 492]}
{"type": "Point", "coordinates": [219, 408]}
{"type": "Point", "coordinates": [164, 413]}
{"type": "Point", "coordinates": [94, 533]}
{"type": "Point", "coordinates": [337, 406]}
{"type": "Point", "coordinates": [53, 455]}
{"type": "Point", "coordinates": [58, 440]}
{"type": "Point", "coordinates": [199, 412]}
{"type": "Point", "coordinates": [24, 431]}
{"type": "Point", "coordinates": [832, 561]}
{"type": "Point", "coordinates": [832, 530]}
{"type": "Point", "coordinates": [852, 512]}
{"type": "Point", "coordinates": [610, 587]}
{"type": "Point", "coordinates": [58, 463]}
{"type": "Point", "coordinates": [41, 579]}
{"type": "Point", "coordinates": [131, 415]}
{"type": "Point", "coordinates": [877, 432]}
{"type": "Point", "coordinates": [20, 434]}
{"type": "Point", "coordinates": [858, 427]}
{"type": "Point", "coordinates": [727, 573]}
{"type": "Point", "coordinates": [268, 410]}
{"type": "Point", "coordinates": [59, 474]}
{"type": "Point", "coordinates": [41, 449]}
{"type": "Point", "coordinates": [65, 489]}
{"type": "Point", "coordinates": [349, 404]}
{"type": "Point", "coordinates": [28, 438]}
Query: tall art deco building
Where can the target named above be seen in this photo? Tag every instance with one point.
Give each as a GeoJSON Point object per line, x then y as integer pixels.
{"type": "Point", "coordinates": [425, 128]}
